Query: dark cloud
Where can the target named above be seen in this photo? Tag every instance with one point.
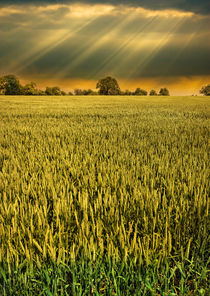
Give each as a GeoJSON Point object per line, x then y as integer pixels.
{"type": "Point", "coordinates": [55, 43]}
{"type": "Point", "coordinates": [197, 6]}
{"type": "Point", "coordinates": [171, 60]}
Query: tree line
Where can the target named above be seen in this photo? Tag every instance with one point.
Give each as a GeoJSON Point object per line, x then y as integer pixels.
{"type": "Point", "coordinates": [10, 85]}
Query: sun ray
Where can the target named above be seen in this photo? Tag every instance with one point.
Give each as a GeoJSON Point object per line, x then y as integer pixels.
{"type": "Point", "coordinates": [99, 41]}
{"type": "Point", "coordinates": [179, 51]}
{"type": "Point", "coordinates": [123, 47]}
{"type": "Point", "coordinates": [55, 41]}
{"type": "Point", "coordinates": [28, 57]}
{"type": "Point", "coordinates": [151, 51]}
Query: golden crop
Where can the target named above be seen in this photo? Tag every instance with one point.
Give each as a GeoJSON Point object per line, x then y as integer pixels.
{"type": "Point", "coordinates": [98, 176]}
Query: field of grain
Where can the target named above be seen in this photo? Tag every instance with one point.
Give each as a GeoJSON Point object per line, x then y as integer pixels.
{"type": "Point", "coordinates": [104, 195]}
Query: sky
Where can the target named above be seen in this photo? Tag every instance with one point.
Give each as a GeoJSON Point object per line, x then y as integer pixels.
{"type": "Point", "coordinates": [142, 43]}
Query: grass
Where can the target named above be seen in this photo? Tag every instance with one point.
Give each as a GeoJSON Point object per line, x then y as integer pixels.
{"type": "Point", "coordinates": [104, 195]}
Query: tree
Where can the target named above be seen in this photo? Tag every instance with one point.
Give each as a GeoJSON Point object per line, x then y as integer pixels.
{"type": "Point", "coordinates": [153, 93]}
{"type": "Point", "coordinates": [126, 93]}
{"type": "Point", "coordinates": [78, 92]}
{"type": "Point", "coordinates": [30, 89]}
{"type": "Point", "coordinates": [53, 91]}
{"type": "Point", "coordinates": [108, 86]}
{"type": "Point", "coordinates": [140, 92]}
{"type": "Point", "coordinates": [56, 91]}
{"type": "Point", "coordinates": [2, 86]}
{"type": "Point", "coordinates": [48, 91]}
{"type": "Point", "coordinates": [41, 92]}
{"type": "Point", "coordinates": [10, 85]}
{"type": "Point", "coordinates": [164, 92]}
{"type": "Point", "coordinates": [88, 92]}
{"type": "Point", "coordinates": [205, 90]}
{"type": "Point", "coordinates": [93, 93]}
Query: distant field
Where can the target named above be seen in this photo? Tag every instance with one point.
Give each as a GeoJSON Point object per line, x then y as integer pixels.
{"type": "Point", "coordinates": [104, 195]}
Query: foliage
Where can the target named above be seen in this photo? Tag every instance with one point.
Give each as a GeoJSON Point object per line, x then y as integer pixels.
{"type": "Point", "coordinates": [54, 91]}
{"type": "Point", "coordinates": [205, 90]}
{"type": "Point", "coordinates": [164, 92]}
{"type": "Point", "coordinates": [30, 89]}
{"type": "Point", "coordinates": [126, 93]}
{"type": "Point", "coordinates": [10, 85]}
{"type": "Point", "coordinates": [78, 92]}
{"type": "Point", "coordinates": [153, 93]}
{"type": "Point", "coordinates": [108, 86]}
{"type": "Point", "coordinates": [105, 277]}
{"type": "Point", "coordinates": [140, 92]}
{"type": "Point", "coordinates": [88, 92]}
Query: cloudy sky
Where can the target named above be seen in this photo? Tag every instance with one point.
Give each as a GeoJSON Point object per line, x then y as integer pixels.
{"type": "Point", "coordinates": [142, 43]}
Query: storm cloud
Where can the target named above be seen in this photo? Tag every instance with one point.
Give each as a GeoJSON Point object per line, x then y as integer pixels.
{"type": "Point", "coordinates": [88, 40]}
{"type": "Point", "coordinates": [201, 6]}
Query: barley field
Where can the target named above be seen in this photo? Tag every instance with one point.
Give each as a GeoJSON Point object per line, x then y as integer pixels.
{"type": "Point", "coordinates": [104, 195]}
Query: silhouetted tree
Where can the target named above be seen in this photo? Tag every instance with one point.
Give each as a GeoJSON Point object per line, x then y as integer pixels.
{"type": "Point", "coordinates": [56, 91]}
{"type": "Point", "coordinates": [164, 92]}
{"type": "Point", "coordinates": [89, 92]}
{"type": "Point", "coordinates": [30, 89]}
{"type": "Point", "coordinates": [10, 85]}
{"type": "Point", "coordinates": [153, 93]}
{"type": "Point", "coordinates": [41, 92]}
{"type": "Point", "coordinates": [93, 93]}
{"type": "Point", "coordinates": [78, 92]}
{"type": "Point", "coordinates": [126, 93]}
{"type": "Point", "coordinates": [53, 91]}
{"type": "Point", "coordinates": [2, 85]}
{"type": "Point", "coordinates": [108, 86]}
{"type": "Point", "coordinates": [205, 90]}
{"type": "Point", "coordinates": [140, 92]}
{"type": "Point", "coordinates": [48, 91]}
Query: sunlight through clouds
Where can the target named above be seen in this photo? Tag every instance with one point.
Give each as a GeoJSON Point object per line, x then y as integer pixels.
{"type": "Point", "coordinates": [88, 41]}
{"type": "Point", "coordinates": [110, 33]}
{"type": "Point", "coordinates": [155, 45]}
{"type": "Point", "coordinates": [57, 39]}
{"type": "Point", "coordinates": [143, 45]}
